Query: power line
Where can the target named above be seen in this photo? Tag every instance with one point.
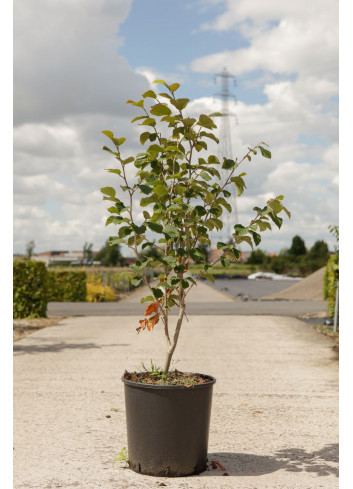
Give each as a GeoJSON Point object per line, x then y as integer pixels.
{"type": "Point", "coordinates": [225, 143]}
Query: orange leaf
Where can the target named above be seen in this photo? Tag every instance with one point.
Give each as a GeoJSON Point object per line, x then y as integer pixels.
{"type": "Point", "coordinates": [153, 307]}
{"type": "Point", "coordinates": [152, 322]}
{"type": "Point", "coordinates": [143, 324]}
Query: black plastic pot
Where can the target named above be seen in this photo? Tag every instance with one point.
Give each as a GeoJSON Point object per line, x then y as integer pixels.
{"type": "Point", "coordinates": [167, 427]}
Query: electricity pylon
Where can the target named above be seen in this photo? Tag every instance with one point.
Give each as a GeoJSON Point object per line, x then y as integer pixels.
{"type": "Point", "coordinates": [225, 146]}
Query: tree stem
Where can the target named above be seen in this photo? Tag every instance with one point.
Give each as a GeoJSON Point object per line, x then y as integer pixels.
{"type": "Point", "coordinates": [172, 347]}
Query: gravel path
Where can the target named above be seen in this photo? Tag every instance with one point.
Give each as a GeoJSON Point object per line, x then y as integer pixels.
{"type": "Point", "coordinates": [275, 407]}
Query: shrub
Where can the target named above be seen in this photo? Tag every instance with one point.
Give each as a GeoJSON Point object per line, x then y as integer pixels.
{"type": "Point", "coordinates": [29, 289]}
{"type": "Point", "coordinates": [64, 286]}
{"type": "Point", "coordinates": [97, 291]}
{"type": "Point", "coordinates": [331, 282]}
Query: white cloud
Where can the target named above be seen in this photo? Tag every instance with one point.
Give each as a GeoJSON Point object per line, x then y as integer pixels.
{"type": "Point", "coordinates": [298, 37]}
{"type": "Point", "coordinates": [66, 60]}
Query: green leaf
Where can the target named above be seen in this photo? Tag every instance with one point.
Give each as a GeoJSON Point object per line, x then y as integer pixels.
{"type": "Point", "coordinates": [149, 298]}
{"type": "Point", "coordinates": [263, 211]}
{"type": "Point", "coordinates": [201, 211]}
{"type": "Point", "coordinates": [188, 121]}
{"type": "Point", "coordinates": [108, 133]}
{"type": "Point", "coordinates": [209, 135]}
{"type": "Point", "coordinates": [277, 220]}
{"type": "Point", "coordinates": [150, 94]}
{"type": "Point", "coordinates": [213, 160]}
{"type": "Point", "coordinates": [209, 277]}
{"type": "Point", "coordinates": [180, 103]}
{"type": "Point", "coordinates": [154, 226]}
{"type": "Point", "coordinates": [160, 109]}
{"type": "Point", "coordinates": [225, 262]}
{"type": "Point", "coordinates": [185, 284]}
{"type": "Point", "coordinates": [108, 191]}
{"type": "Point", "coordinates": [205, 176]}
{"type": "Point", "coordinates": [265, 152]}
{"type": "Point", "coordinates": [130, 159]}
{"type": "Point", "coordinates": [240, 229]}
{"type": "Point", "coordinates": [227, 164]}
{"type": "Point", "coordinates": [240, 239]}
{"type": "Point", "coordinates": [221, 246]}
{"type": "Point", "coordinates": [216, 114]}
{"type": "Point", "coordinates": [155, 148]}
{"type": "Point", "coordinates": [160, 190]}
{"type": "Point", "coordinates": [114, 170]}
{"type": "Point", "coordinates": [173, 87]}
{"type": "Point", "coordinates": [145, 136]}
{"type": "Point", "coordinates": [136, 281]}
{"type": "Point", "coordinates": [171, 231]}
{"type": "Point", "coordinates": [158, 293]}
{"type": "Point", "coordinates": [145, 189]}
{"type": "Point", "coordinates": [256, 237]}
{"type": "Point", "coordinates": [149, 122]}
{"type": "Point", "coordinates": [205, 121]}
{"type": "Point", "coordinates": [124, 231]}
{"type": "Point", "coordinates": [138, 118]}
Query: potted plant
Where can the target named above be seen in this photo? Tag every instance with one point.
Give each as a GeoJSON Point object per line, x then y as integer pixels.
{"type": "Point", "coordinates": [179, 187]}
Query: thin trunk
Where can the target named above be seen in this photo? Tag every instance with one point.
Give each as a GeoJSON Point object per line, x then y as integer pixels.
{"type": "Point", "coordinates": [175, 339]}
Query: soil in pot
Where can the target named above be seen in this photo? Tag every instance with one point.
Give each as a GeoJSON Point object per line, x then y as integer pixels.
{"type": "Point", "coordinates": [171, 378]}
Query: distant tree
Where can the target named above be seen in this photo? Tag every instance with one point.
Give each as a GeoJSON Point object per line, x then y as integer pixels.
{"type": "Point", "coordinates": [151, 252]}
{"type": "Point", "coordinates": [319, 250]}
{"type": "Point", "coordinates": [87, 253]}
{"type": "Point", "coordinates": [257, 257]}
{"type": "Point", "coordinates": [110, 255]}
{"type": "Point", "coordinates": [29, 249]}
{"type": "Point", "coordinates": [298, 247]}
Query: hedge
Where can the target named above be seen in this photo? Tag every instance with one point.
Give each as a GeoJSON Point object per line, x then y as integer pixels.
{"type": "Point", "coordinates": [331, 283]}
{"type": "Point", "coordinates": [29, 289]}
{"type": "Point", "coordinates": [64, 286]}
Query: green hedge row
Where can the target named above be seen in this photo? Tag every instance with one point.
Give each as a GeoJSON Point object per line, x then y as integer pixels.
{"type": "Point", "coordinates": [29, 289]}
{"type": "Point", "coordinates": [64, 286]}
{"type": "Point", "coordinates": [331, 283]}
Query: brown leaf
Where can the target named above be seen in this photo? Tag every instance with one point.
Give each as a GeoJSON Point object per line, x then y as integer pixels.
{"type": "Point", "coordinates": [143, 324]}
{"type": "Point", "coordinates": [153, 307]}
{"type": "Point", "coordinates": [152, 322]}
{"type": "Point", "coordinates": [216, 464]}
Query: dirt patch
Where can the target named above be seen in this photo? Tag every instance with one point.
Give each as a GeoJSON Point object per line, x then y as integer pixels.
{"type": "Point", "coordinates": [171, 378]}
{"type": "Point", "coordinates": [24, 327]}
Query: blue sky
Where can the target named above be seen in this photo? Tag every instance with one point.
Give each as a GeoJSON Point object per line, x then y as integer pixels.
{"type": "Point", "coordinates": [76, 63]}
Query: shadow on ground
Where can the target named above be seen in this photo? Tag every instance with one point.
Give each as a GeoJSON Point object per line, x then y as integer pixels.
{"type": "Point", "coordinates": [56, 347]}
{"type": "Point", "coordinates": [291, 460]}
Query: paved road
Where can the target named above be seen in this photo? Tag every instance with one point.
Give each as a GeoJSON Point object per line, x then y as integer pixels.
{"type": "Point", "coordinates": [274, 417]}
{"type": "Point", "coordinates": [203, 299]}
{"type": "Point", "coordinates": [274, 308]}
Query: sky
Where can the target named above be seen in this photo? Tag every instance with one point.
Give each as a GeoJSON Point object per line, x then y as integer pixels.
{"type": "Point", "coordinates": [76, 62]}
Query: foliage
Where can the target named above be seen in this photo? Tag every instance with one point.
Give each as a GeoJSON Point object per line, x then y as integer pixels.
{"type": "Point", "coordinates": [110, 255]}
{"type": "Point", "coordinates": [334, 230]}
{"type": "Point", "coordinates": [66, 286]}
{"type": "Point", "coordinates": [29, 249]}
{"type": "Point", "coordinates": [298, 246]}
{"type": "Point", "coordinates": [331, 283]}
{"type": "Point", "coordinates": [123, 455]}
{"type": "Point", "coordinates": [97, 291]}
{"type": "Point", "coordinates": [319, 251]}
{"type": "Point", "coordinates": [87, 253]}
{"type": "Point", "coordinates": [183, 200]}
{"type": "Point", "coordinates": [155, 371]}
{"type": "Point", "coordinates": [257, 257]}
{"type": "Point", "coordinates": [29, 289]}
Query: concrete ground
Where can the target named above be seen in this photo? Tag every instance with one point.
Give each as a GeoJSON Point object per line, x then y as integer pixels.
{"type": "Point", "coordinates": [274, 420]}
